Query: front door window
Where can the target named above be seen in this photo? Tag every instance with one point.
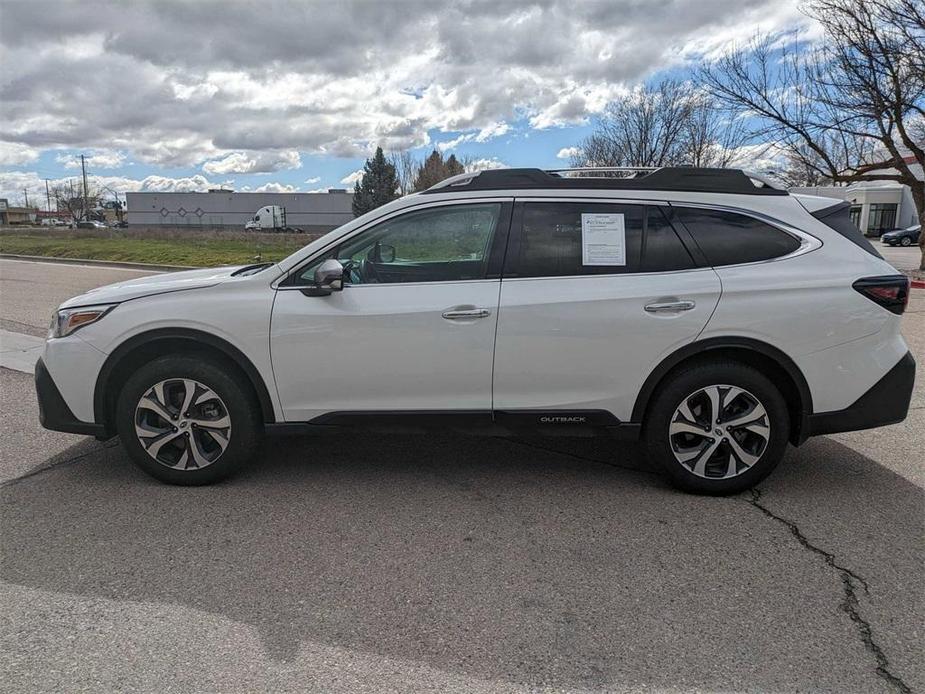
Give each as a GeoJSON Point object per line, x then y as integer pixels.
{"type": "Point", "coordinates": [447, 244]}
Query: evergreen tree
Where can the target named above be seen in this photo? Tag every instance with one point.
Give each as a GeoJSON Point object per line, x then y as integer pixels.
{"type": "Point", "coordinates": [435, 169]}
{"type": "Point", "coordinates": [378, 185]}
{"type": "Point", "coordinates": [454, 167]}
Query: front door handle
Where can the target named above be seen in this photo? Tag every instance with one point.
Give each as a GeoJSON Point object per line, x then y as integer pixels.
{"type": "Point", "coordinates": [461, 313]}
{"type": "Point", "coordinates": [670, 306]}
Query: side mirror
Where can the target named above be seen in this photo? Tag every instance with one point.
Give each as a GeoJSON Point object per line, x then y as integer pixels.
{"type": "Point", "coordinates": [329, 277]}
{"type": "Point", "coordinates": [386, 253]}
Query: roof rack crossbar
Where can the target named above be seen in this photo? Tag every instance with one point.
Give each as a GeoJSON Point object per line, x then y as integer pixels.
{"type": "Point", "coordinates": [670, 178]}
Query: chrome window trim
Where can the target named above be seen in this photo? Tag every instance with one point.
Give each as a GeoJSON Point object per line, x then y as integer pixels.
{"type": "Point", "coordinates": [425, 204]}
{"type": "Point", "coordinates": [808, 242]}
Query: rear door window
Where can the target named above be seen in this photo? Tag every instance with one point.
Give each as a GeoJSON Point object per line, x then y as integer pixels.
{"type": "Point", "coordinates": [730, 238]}
{"type": "Point", "coordinates": [554, 241]}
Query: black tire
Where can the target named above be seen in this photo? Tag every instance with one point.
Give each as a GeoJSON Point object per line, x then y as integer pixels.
{"type": "Point", "coordinates": [684, 384]}
{"type": "Point", "coordinates": [235, 399]}
{"type": "Point", "coordinates": [905, 241]}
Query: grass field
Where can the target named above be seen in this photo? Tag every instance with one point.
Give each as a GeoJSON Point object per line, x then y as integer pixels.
{"type": "Point", "coordinates": [193, 248]}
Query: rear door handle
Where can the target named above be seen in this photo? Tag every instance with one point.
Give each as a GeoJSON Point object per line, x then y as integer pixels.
{"type": "Point", "coordinates": [466, 313]}
{"type": "Point", "coordinates": [670, 306]}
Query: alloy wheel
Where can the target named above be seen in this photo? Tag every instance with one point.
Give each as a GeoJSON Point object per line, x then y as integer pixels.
{"type": "Point", "coordinates": [182, 424]}
{"type": "Point", "coordinates": [719, 432]}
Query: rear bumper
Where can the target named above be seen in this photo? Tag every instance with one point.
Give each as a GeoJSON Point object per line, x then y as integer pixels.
{"type": "Point", "coordinates": [53, 410]}
{"type": "Point", "coordinates": [887, 402]}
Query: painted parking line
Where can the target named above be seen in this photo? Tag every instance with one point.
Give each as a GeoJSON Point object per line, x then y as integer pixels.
{"type": "Point", "coordinates": [20, 352]}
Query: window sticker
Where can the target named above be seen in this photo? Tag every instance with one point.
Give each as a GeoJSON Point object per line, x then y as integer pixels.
{"type": "Point", "coordinates": [603, 239]}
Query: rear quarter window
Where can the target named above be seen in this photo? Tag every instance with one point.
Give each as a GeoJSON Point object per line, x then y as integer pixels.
{"type": "Point", "coordinates": [730, 238]}
{"type": "Point", "coordinates": [838, 218]}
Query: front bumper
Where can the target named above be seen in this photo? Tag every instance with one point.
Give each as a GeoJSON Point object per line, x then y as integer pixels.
{"type": "Point", "coordinates": [53, 410]}
{"type": "Point", "coordinates": [887, 402]}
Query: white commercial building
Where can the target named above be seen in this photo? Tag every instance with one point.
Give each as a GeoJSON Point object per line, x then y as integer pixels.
{"type": "Point", "coordinates": [876, 206]}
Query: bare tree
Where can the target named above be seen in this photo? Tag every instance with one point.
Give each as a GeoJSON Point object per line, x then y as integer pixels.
{"type": "Point", "coordinates": [711, 138]}
{"type": "Point", "coordinates": [848, 109]}
{"type": "Point", "coordinates": [643, 128]}
{"type": "Point", "coordinates": [667, 124]}
{"type": "Point", "coordinates": [69, 196]}
{"type": "Point", "coordinates": [406, 168]}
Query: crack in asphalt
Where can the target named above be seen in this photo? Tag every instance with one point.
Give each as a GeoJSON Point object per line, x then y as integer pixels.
{"type": "Point", "coordinates": [850, 605]}
{"type": "Point", "coordinates": [51, 466]}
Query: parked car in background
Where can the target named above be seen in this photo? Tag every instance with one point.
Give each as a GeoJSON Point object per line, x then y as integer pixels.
{"type": "Point", "coordinates": [702, 311]}
{"type": "Point", "coordinates": [903, 237]}
{"type": "Point", "coordinates": [90, 224]}
{"type": "Point", "coordinates": [52, 222]}
{"type": "Point", "coordinates": [120, 225]}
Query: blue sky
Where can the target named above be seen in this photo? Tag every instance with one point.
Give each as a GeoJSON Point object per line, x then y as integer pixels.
{"type": "Point", "coordinates": [184, 95]}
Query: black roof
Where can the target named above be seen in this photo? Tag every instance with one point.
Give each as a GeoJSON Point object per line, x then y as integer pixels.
{"type": "Point", "coordinates": [681, 178]}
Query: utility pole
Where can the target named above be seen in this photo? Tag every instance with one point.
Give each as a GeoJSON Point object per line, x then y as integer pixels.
{"type": "Point", "coordinates": [47, 196]}
{"type": "Point", "coordinates": [25, 194]}
{"type": "Point", "coordinates": [83, 169]}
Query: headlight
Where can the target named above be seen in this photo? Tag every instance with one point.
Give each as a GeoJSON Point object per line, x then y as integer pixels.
{"type": "Point", "coordinates": [67, 320]}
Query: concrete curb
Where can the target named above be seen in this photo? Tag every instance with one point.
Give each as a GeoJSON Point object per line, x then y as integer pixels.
{"type": "Point", "coordinates": [102, 263]}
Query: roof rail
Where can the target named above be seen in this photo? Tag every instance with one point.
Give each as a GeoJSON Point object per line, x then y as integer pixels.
{"type": "Point", "coordinates": [633, 170]}
{"type": "Point", "coordinates": [667, 178]}
{"type": "Point", "coordinates": [458, 179]}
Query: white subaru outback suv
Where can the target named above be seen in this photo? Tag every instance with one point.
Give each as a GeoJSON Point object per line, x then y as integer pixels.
{"type": "Point", "coordinates": [704, 311]}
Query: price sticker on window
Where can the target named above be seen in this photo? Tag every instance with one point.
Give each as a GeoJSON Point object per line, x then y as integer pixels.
{"type": "Point", "coordinates": [603, 239]}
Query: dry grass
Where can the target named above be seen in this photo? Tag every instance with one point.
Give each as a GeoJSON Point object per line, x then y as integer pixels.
{"type": "Point", "coordinates": [160, 246]}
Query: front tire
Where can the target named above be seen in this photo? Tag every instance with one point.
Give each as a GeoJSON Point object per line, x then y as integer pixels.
{"type": "Point", "coordinates": [717, 428]}
{"type": "Point", "coordinates": [188, 420]}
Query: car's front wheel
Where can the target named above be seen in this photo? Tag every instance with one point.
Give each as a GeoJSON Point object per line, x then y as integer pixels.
{"type": "Point", "coordinates": [717, 428]}
{"type": "Point", "coordinates": [188, 420]}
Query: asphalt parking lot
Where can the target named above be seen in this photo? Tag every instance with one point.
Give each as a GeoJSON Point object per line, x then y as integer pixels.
{"type": "Point", "coordinates": [440, 563]}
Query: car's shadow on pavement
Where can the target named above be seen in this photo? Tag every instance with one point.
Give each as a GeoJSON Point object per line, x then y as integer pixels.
{"type": "Point", "coordinates": [497, 559]}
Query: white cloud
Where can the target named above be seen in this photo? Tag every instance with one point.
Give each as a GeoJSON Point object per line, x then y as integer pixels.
{"type": "Point", "coordinates": [276, 188]}
{"type": "Point", "coordinates": [165, 184]}
{"type": "Point", "coordinates": [217, 103]}
{"type": "Point", "coordinates": [491, 131]}
{"type": "Point", "coordinates": [483, 135]}
{"type": "Point", "coordinates": [313, 179]}
{"type": "Point", "coordinates": [97, 159]}
{"type": "Point", "coordinates": [484, 164]}
{"type": "Point", "coordinates": [12, 184]}
{"type": "Point", "coordinates": [254, 162]}
{"type": "Point", "coordinates": [15, 154]}
{"type": "Point", "coordinates": [352, 178]}
{"type": "Point", "coordinates": [568, 152]}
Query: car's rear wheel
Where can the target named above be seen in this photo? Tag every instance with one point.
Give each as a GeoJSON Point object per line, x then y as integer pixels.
{"type": "Point", "coordinates": [905, 241]}
{"type": "Point", "coordinates": [717, 428]}
{"type": "Point", "coordinates": [188, 420]}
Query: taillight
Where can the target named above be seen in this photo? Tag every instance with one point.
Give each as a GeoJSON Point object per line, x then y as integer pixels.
{"type": "Point", "coordinates": [890, 291]}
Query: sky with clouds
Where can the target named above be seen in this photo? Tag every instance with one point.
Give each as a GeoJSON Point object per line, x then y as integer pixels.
{"type": "Point", "coordinates": [284, 96]}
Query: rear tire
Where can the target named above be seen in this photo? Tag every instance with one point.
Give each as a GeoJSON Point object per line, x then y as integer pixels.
{"type": "Point", "coordinates": [905, 241]}
{"type": "Point", "coordinates": [717, 428]}
{"type": "Point", "coordinates": [188, 420]}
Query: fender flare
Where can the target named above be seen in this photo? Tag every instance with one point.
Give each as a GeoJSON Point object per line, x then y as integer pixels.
{"type": "Point", "coordinates": [745, 344]}
{"type": "Point", "coordinates": [101, 390]}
